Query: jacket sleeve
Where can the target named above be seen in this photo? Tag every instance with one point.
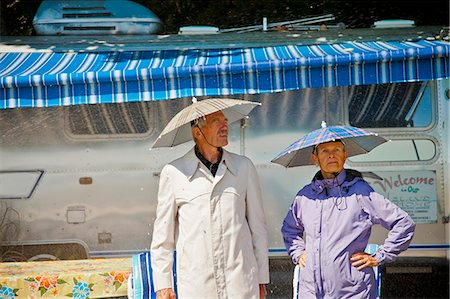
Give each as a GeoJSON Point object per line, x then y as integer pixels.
{"type": "Point", "coordinates": [163, 240]}
{"type": "Point", "coordinates": [399, 224]}
{"type": "Point", "coordinates": [292, 231]}
{"type": "Point", "coordinates": [257, 223]}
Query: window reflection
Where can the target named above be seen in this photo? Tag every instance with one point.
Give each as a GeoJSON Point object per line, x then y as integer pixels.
{"type": "Point", "coordinates": [390, 105]}
{"type": "Point", "coordinates": [281, 119]}
{"type": "Point", "coordinates": [109, 119]}
{"type": "Point", "coordinates": [290, 111]}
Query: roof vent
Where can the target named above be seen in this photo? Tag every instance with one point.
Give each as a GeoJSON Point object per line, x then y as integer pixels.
{"type": "Point", "coordinates": [198, 30]}
{"type": "Point", "coordinates": [73, 17]}
{"type": "Point", "coordinates": [393, 24]}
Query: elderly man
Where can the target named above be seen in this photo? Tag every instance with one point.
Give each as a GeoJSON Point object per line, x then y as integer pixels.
{"type": "Point", "coordinates": [335, 214]}
{"type": "Point", "coordinates": [210, 211]}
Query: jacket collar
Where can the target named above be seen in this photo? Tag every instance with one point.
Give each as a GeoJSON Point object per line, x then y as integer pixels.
{"type": "Point", "coordinates": [229, 162]}
{"type": "Point", "coordinates": [345, 179]}
{"type": "Point", "coordinates": [194, 163]}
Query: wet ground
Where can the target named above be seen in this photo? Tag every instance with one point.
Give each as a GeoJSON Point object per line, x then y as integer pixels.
{"type": "Point", "coordinates": [407, 278]}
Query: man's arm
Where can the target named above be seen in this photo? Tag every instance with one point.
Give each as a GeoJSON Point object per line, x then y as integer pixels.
{"type": "Point", "coordinates": [257, 223]}
{"type": "Point", "coordinates": [163, 241]}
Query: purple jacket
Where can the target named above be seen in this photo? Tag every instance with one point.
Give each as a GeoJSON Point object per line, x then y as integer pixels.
{"type": "Point", "coordinates": [335, 217]}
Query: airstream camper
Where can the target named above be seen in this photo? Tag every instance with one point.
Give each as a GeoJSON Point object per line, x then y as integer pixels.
{"type": "Point", "coordinates": [78, 178]}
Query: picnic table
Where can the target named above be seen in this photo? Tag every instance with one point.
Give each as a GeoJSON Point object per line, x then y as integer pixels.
{"type": "Point", "coordinates": [93, 278]}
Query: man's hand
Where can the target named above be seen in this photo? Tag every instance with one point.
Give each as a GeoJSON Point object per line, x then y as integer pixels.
{"type": "Point", "coordinates": [302, 260]}
{"type": "Point", "coordinates": [262, 291]}
{"type": "Point", "coordinates": [362, 260]}
{"type": "Point", "coordinates": [165, 294]}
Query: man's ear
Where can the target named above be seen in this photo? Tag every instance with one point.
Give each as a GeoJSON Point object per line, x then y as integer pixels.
{"type": "Point", "coordinates": [196, 132]}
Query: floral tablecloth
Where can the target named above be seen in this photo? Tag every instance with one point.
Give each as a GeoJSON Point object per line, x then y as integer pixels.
{"type": "Point", "coordinates": [92, 278]}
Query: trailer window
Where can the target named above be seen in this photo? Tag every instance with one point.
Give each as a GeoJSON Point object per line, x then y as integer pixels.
{"type": "Point", "coordinates": [109, 119]}
{"type": "Point", "coordinates": [390, 105]}
{"type": "Point", "coordinates": [399, 150]}
{"type": "Point", "coordinates": [19, 184]}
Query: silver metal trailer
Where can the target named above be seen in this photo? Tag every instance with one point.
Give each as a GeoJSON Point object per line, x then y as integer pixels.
{"type": "Point", "coordinates": [80, 181]}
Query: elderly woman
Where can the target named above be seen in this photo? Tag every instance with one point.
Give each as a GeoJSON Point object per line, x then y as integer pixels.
{"type": "Point", "coordinates": [334, 214]}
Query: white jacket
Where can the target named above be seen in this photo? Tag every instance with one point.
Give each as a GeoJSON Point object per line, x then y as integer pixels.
{"type": "Point", "coordinates": [217, 226]}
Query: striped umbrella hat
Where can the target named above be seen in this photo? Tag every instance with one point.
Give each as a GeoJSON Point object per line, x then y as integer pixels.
{"type": "Point", "coordinates": [178, 130]}
{"type": "Point", "coordinates": [357, 141]}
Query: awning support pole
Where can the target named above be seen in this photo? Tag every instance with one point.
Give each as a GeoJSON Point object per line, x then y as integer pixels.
{"type": "Point", "coordinates": [242, 136]}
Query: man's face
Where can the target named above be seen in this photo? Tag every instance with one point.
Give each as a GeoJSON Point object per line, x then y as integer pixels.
{"type": "Point", "coordinates": [330, 157]}
{"type": "Point", "coordinates": [216, 129]}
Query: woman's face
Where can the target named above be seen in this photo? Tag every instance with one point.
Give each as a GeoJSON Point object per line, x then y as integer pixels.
{"type": "Point", "coordinates": [330, 157]}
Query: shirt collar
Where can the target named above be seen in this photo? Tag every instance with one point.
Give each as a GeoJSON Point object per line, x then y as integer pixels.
{"type": "Point", "coordinates": [191, 168]}
{"type": "Point", "coordinates": [213, 167]}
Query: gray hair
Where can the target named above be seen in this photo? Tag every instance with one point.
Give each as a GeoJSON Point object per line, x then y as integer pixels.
{"type": "Point", "coordinates": [199, 122]}
{"type": "Point", "coordinates": [314, 151]}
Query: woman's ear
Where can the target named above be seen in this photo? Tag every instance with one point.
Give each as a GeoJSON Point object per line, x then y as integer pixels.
{"type": "Point", "coordinates": [315, 159]}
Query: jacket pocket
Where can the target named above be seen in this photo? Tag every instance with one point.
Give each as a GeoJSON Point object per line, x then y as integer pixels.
{"type": "Point", "coordinates": [188, 197]}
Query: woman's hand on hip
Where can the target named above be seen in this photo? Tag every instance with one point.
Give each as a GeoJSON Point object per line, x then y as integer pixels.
{"type": "Point", "coordinates": [361, 260]}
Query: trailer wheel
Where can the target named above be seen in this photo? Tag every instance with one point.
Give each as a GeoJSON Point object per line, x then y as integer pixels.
{"type": "Point", "coordinates": [41, 252]}
{"type": "Point", "coordinates": [43, 257]}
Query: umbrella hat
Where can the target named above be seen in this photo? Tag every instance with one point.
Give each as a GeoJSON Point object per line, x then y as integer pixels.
{"type": "Point", "coordinates": [357, 141]}
{"type": "Point", "coordinates": [178, 130]}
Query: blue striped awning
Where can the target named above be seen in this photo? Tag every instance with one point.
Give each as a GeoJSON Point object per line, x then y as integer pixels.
{"type": "Point", "coordinates": [42, 79]}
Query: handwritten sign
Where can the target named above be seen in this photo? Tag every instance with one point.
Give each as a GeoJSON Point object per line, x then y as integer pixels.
{"type": "Point", "coordinates": [413, 191]}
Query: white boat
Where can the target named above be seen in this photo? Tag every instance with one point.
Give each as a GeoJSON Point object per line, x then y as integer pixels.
{"type": "Point", "coordinates": [99, 17]}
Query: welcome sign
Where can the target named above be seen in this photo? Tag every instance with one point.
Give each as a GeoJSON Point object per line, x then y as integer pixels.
{"type": "Point", "coordinates": [412, 191]}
